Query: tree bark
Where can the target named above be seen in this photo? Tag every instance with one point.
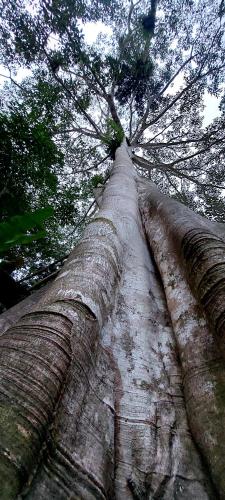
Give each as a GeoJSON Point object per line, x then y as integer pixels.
{"type": "Point", "coordinates": [190, 254]}
{"type": "Point", "coordinates": [112, 386]}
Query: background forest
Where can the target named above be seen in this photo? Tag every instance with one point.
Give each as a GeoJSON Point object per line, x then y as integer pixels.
{"type": "Point", "coordinates": [147, 75]}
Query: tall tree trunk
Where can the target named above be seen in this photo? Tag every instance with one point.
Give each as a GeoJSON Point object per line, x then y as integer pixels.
{"type": "Point", "coordinates": [113, 385]}
{"type": "Point", "coordinates": [190, 255]}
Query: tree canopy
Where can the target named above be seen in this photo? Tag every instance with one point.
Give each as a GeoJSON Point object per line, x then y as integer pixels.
{"type": "Point", "coordinates": [146, 78]}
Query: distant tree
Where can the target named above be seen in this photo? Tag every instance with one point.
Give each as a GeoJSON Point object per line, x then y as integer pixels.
{"type": "Point", "coordinates": [32, 168]}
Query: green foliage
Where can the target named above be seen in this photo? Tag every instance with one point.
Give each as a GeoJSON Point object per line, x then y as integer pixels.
{"type": "Point", "coordinates": [135, 66]}
{"type": "Point", "coordinates": [83, 102]}
{"type": "Point", "coordinates": [96, 180]}
{"type": "Point", "coordinates": [113, 137]}
{"type": "Point", "coordinates": [23, 229]}
{"type": "Point", "coordinates": [29, 160]}
{"type": "Point", "coordinates": [31, 164]}
{"type": "Point", "coordinates": [86, 186]}
{"type": "Point", "coordinates": [133, 79]}
{"type": "Point", "coordinates": [33, 27]}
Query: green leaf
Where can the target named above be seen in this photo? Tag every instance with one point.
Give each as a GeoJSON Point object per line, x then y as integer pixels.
{"type": "Point", "coordinates": [24, 229]}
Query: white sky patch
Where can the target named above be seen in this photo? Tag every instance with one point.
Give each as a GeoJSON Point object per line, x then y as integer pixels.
{"type": "Point", "coordinates": [18, 76]}
{"type": "Point", "coordinates": [32, 6]}
{"type": "Point", "coordinates": [211, 110]}
{"type": "Point", "coordinates": [92, 30]}
{"type": "Point", "coordinates": [176, 85]}
{"type": "Point", "coordinates": [53, 42]}
{"type": "Point", "coordinates": [174, 43]}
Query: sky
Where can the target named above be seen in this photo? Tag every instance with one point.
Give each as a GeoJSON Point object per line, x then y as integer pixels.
{"type": "Point", "coordinates": [91, 31]}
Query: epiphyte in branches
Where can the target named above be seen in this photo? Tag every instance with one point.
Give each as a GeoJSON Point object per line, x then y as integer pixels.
{"type": "Point", "coordinates": [134, 80]}
{"type": "Point", "coordinates": [113, 137]}
{"type": "Point", "coordinates": [221, 9]}
{"type": "Point", "coordinates": [148, 23]}
{"type": "Point", "coordinates": [56, 60]}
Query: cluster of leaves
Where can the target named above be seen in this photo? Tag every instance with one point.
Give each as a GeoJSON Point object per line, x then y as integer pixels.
{"type": "Point", "coordinates": [16, 232]}
{"type": "Point", "coordinates": [29, 160]}
{"type": "Point", "coordinates": [134, 66]}
{"type": "Point", "coordinates": [32, 28]}
{"type": "Point", "coordinates": [133, 79]}
{"type": "Point", "coordinates": [31, 166]}
{"type": "Point", "coordinates": [113, 137]}
{"type": "Point", "coordinates": [23, 229]}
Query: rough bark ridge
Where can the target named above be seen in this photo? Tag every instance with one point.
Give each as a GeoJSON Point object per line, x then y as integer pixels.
{"type": "Point", "coordinates": [113, 384]}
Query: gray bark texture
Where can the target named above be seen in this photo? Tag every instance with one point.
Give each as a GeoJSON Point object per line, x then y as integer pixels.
{"type": "Point", "coordinates": [113, 377]}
